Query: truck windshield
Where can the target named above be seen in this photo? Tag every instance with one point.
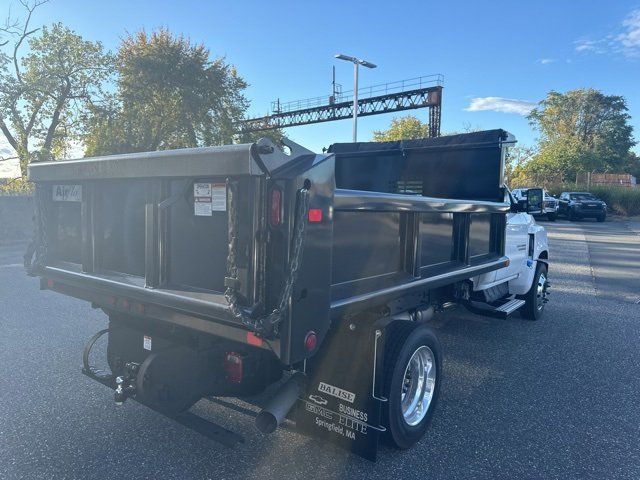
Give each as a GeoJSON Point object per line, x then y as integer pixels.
{"type": "Point", "coordinates": [582, 196]}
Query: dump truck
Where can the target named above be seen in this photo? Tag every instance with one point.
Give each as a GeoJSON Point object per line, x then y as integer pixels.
{"type": "Point", "coordinates": [234, 270]}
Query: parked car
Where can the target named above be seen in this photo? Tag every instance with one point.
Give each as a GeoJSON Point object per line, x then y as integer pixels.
{"type": "Point", "coordinates": [578, 205]}
{"type": "Point", "coordinates": [550, 204]}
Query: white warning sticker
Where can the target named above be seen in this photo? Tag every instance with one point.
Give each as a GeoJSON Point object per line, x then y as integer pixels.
{"type": "Point", "coordinates": [202, 190]}
{"type": "Point", "coordinates": [146, 343]}
{"type": "Point", "coordinates": [219, 197]}
{"type": "Point", "coordinates": [208, 198]}
{"type": "Point", "coordinates": [202, 199]}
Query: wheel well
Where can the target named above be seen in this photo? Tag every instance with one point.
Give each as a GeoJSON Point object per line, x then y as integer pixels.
{"type": "Point", "coordinates": [544, 256]}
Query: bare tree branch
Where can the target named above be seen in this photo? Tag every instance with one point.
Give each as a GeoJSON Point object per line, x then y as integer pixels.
{"type": "Point", "coordinates": [10, 138]}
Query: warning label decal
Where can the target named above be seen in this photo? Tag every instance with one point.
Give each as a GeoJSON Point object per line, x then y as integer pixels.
{"type": "Point", "coordinates": [208, 198]}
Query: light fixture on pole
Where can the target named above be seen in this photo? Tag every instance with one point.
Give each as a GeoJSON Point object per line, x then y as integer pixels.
{"type": "Point", "coordinates": [356, 63]}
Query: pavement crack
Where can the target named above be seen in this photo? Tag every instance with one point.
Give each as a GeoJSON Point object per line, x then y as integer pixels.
{"type": "Point", "coordinates": [589, 259]}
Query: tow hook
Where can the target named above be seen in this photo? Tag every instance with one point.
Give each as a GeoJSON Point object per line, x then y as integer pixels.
{"type": "Point", "coordinates": [126, 385]}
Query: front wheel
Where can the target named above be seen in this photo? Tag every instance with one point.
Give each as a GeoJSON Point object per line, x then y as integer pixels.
{"type": "Point", "coordinates": [536, 298]}
{"type": "Point", "coordinates": [552, 216]}
{"type": "Point", "coordinates": [602, 218]}
{"type": "Point", "coordinates": [413, 372]}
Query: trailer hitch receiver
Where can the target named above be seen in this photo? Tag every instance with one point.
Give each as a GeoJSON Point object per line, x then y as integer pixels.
{"type": "Point", "coordinates": [126, 385]}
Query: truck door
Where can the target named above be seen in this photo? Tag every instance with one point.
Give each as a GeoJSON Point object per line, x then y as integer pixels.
{"type": "Point", "coordinates": [516, 244]}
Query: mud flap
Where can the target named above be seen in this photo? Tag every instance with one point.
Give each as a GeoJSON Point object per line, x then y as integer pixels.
{"type": "Point", "coordinates": [342, 403]}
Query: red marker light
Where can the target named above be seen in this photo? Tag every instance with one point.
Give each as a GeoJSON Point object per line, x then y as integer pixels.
{"type": "Point", "coordinates": [275, 208]}
{"type": "Point", "coordinates": [311, 341]}
{"type": "Point", "coordinates": [315, 215]}
{"type": "Point", "coordinates": [253, 339]}
{"type": "Point", "coordinates": [50, 283]}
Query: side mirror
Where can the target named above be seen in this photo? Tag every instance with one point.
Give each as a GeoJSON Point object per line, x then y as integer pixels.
{"type": "Point", "coordinates": [535, 200]}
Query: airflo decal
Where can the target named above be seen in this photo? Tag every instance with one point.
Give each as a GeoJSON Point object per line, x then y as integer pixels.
{"type": "Point", "coordinates": [336, 392]}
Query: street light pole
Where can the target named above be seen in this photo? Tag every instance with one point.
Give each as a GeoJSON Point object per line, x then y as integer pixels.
{"type": "Point", "coordinates": [355, 102]}
{"type": "Point", "coordinates": [356, 63]}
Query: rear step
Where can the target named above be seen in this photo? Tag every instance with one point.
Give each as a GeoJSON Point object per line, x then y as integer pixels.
{"type": "Point", "coordinates": [500, 311]}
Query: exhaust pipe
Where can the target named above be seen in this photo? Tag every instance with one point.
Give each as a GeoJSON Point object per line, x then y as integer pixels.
{"type": "Point", "coordinates": [274, 412]}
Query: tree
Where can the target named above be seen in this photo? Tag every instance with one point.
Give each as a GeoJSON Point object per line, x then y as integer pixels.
{"type": "Point", "coordinates": [633, 165]}
{"type": "Point", "coordinates": [517, 157]}
{"type": "Point", "coordinates": [169, 95]}
{"type": "Point", "coordinates": [44, 93]}
{"type": "Point", "coordinates": [405, 128]}
{"type": "Point", "coordinates": [582, 130]}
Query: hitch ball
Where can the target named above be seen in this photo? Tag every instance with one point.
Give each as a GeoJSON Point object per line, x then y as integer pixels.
{"type": "Point", "coordinates": [119, 396]}
{"type": "Point", "coordinates": [123, 391]}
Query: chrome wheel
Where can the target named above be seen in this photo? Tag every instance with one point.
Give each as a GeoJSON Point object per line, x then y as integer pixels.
{"type": "Point", "coordinates": [541, 292]}
{"type": "Point", "coordinates": [418, 385]}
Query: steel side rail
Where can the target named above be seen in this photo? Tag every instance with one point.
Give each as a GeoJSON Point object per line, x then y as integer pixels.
{"type": "Point", "coordinates": [360, 200]}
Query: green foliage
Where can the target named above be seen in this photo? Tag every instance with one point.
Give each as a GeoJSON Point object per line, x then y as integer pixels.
{"type": "Point", "coordinates": [620, 200]}
{"type": "Point", "coordinates": [623, 201]}
{"type": "Point", "coordinates": [581, 130]}
{"type": "Point", "coordinates": [18, 186]}
{"type": "Point", "coordinates": [405, 128]}
{"type": "Point", "coordinates": [43, 94]}
{"type": "Point", "coordinates": [169, 95]}
{"type": "Point", "coordinates": [633, 165]}
{"type": "Point", "coordinates": [516, 159]}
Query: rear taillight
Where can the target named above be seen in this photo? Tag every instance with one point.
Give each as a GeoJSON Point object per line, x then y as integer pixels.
{"type": "Point", "coordinates": [233, 367]}
{"type": "Point", "coordinates": [275, 208]}
{"type": "Point", "coordinates": [315, 215]}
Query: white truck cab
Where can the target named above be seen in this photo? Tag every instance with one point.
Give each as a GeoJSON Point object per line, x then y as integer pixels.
{"type": "Point", "coordinates": [523, 284]}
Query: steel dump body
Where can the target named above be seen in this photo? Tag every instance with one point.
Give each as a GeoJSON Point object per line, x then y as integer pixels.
{"type": "Point", "coordinates": [147, 235]}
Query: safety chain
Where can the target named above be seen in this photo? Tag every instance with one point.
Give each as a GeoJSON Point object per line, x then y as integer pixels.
{"type": "Point", "coordinates": [268, 324]}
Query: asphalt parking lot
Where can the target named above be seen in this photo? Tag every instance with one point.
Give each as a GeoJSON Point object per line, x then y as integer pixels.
{"type": "Point", "coordinates": [558, 398]}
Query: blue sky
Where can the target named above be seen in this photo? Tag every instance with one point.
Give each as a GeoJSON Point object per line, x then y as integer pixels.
{"type": "Point", "coordinates": [497, 57]}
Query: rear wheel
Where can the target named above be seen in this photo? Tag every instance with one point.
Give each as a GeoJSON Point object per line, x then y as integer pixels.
{"type": "Point", "coordinates": [413, 362]}
{"type": "Point", "coordinates": [536, 297]}
{"type": "Point", "coordinates": [552, 216]}
{"type": "Point", "coordinates": [602, 217]}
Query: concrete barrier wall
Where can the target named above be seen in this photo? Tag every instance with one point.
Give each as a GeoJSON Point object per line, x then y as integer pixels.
{"type": "Point", "coordinates": [16, 219]}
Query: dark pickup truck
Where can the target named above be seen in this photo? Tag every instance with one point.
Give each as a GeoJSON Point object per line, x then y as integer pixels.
{"type": "Point", "coordinates": [578, 205]}
{"type": "Point", "coordinates": [225, 271]}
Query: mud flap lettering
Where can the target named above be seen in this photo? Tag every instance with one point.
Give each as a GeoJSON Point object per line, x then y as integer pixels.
{"type": "Point", "coordinates": [339, 405]}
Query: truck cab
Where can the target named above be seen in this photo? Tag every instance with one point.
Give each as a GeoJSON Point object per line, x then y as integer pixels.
{"type": "Point", "coordinates": [527, 248]}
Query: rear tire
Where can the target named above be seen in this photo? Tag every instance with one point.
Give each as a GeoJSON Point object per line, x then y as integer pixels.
{"type": "Point", "coordinates": [413, 373]}
{"type": "Point", "coordinates": [552, 217]}
{"type": "Point", "coordinates": [535, 298]}
{"type": "Point", "coordinates": [602, 218]}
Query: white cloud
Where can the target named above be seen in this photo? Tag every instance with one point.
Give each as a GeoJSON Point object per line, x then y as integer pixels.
{"type": "Point", "coordinates": [587, 46]}
{"type": "Point", "coordinates": [547, 61]}
{"type": "Point", "coordinates": [625, 39]}
{"type": "Point", "coordinates": [499, 104]}
{"type": "Point", "coordinates": [629, 39]}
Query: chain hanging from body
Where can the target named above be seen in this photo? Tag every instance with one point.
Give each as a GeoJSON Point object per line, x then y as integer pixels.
{"type": "Point", "coordinates": [267, 324]}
